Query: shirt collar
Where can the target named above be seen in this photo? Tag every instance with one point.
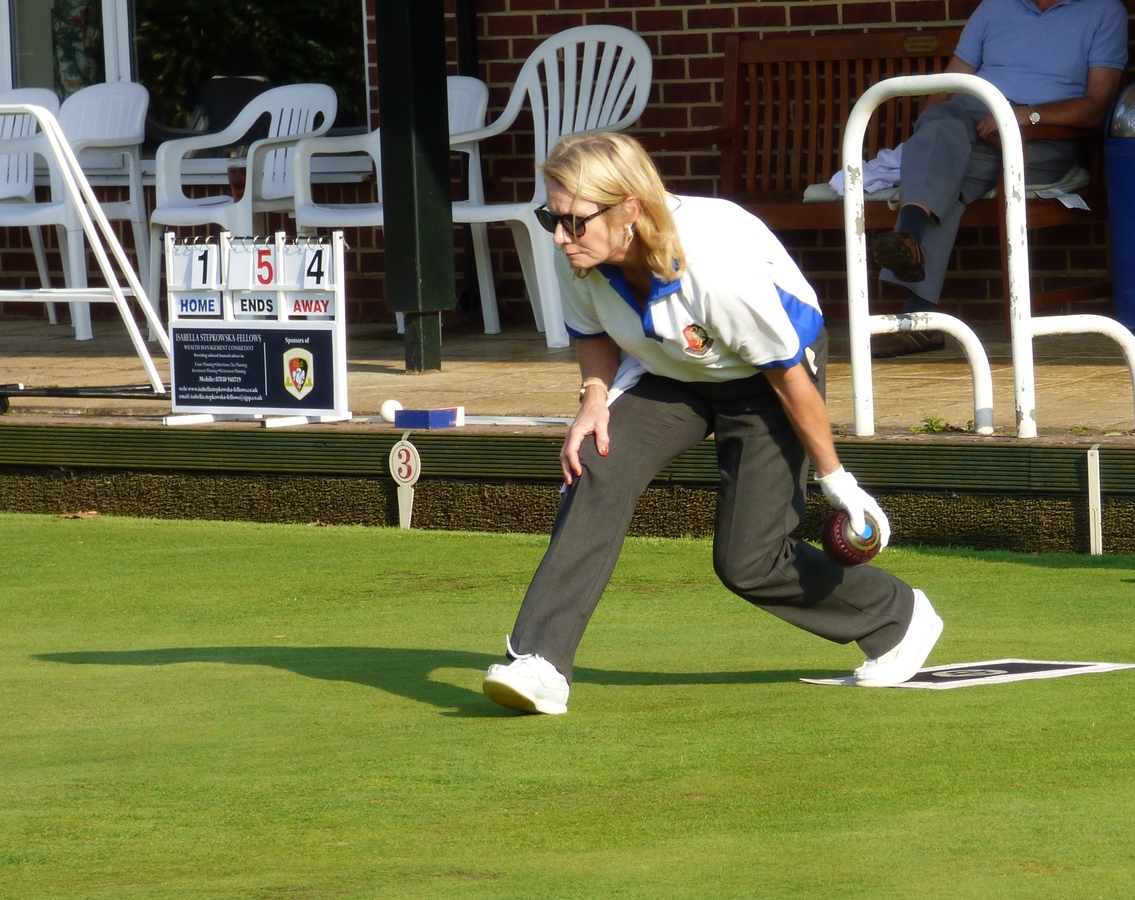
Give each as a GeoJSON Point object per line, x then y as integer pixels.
{"type": "Point", "coordinates": [658, 287]}
{"type": "Point", "coordinates": [658, 290]}
{"type": "Point", "coordinates": [1031, 6]}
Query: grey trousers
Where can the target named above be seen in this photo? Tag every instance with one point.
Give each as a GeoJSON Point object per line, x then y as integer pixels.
{"type": "Point", "coordinates": [759, 503]}
{"type": "Point", "coordinates": [945, 166]}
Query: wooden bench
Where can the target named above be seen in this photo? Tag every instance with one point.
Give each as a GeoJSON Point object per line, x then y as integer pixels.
{"type": "Point", "coordinates": [785, 103]}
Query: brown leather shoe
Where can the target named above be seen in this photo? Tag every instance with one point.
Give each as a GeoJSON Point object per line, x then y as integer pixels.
{"type": "Point", "coordinates": [900, 252]}
{"type": "Point", "coordinates": [905, 342]}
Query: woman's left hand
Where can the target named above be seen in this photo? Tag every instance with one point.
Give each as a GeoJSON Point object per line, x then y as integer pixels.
{"type": "Point", "coordinates": [598, 363]}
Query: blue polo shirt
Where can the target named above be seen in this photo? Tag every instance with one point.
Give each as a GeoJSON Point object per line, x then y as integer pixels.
{"type": "Point", "coordinates": [1034, 57]}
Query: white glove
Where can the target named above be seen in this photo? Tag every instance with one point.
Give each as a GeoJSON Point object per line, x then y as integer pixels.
{"type": "Point", "coordinates": [844, 492]}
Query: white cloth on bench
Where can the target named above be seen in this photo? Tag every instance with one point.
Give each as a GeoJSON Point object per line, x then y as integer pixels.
{"type": "Point", "coordinates": [1064, 189]}
{"type": "Point", "coordinates": [879, 173]}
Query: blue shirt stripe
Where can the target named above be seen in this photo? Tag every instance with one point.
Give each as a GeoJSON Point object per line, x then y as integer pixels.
{"type": "Point", "coordinates": [805, 319]}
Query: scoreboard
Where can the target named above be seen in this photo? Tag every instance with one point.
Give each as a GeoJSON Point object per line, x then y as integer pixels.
{"type": "Point", "coordinates": [257, 328]}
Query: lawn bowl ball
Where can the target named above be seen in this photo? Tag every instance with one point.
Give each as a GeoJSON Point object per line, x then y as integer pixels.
{"type": "Point", "coordinates": [388, 409]}
{"type": "Point", "coordinates": [844, 546]}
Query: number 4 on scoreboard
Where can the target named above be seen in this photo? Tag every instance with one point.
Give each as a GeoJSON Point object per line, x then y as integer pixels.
{"type": "Point", "coordinates": [308, 265]}
{"type": "Point", "coordinates": [318, 272]}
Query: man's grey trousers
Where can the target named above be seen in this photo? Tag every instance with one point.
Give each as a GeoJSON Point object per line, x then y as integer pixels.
{"type": "Point", "coordinates": [945, 166]}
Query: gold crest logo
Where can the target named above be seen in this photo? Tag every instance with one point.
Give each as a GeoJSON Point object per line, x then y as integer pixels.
{"type": "Point", "coordinates": [299, 372]}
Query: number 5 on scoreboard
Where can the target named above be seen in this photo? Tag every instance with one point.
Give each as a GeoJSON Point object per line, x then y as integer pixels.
{"type": "Point", "coordinates": [265, 267]}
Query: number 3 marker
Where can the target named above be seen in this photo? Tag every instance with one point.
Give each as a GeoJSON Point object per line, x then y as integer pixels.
{"type": "Point", "coordinates": [405, 463]}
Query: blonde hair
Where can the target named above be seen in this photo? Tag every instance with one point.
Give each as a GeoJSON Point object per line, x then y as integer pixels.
{"type": "Point", "coordinates": [608, 168]}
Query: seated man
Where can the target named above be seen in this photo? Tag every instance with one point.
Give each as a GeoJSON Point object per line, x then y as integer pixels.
{"type": "Point", "coordinates": [1058, 62]}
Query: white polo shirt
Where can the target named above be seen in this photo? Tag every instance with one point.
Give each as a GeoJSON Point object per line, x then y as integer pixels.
{"type": "Point", "coordinates": [742, 304]}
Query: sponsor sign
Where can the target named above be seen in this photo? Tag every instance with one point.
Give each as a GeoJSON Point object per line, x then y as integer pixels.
{"type": "Point", "coordinates": [266, 367]}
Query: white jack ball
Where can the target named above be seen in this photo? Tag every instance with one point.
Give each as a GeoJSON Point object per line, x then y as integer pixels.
{"type": "Point", "coordinates": [388, 409]}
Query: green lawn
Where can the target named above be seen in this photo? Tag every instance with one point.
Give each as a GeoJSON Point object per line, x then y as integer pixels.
{"type": "Point", "coordinates": [203, 710]}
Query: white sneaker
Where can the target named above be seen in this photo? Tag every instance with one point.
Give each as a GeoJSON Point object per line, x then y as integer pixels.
{"type": "Point", "coordinates": [903, 663]}
{"type": "Point", "coordinates": [529, 683]}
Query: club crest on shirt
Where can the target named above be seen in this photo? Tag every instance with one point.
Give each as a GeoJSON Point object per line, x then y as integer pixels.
{"type": "Point", "coordinates": [698, 342]}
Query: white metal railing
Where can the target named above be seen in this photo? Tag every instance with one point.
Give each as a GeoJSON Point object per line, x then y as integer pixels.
{"type": "Point", "coordinates": [1023, 326]}
{"type": "Point", "coordinates": [99, 235]}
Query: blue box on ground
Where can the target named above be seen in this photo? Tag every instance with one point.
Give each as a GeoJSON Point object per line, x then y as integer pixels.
{"type": "Point", "coordinates": [429, 418]}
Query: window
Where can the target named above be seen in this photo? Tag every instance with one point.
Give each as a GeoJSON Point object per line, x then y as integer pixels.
{"type": "Point", "coordinates": [175, 47]}
{"type": "Point", "coordinates": [57, 45]}
{"type": "Point", "coordinates": [181, 44]}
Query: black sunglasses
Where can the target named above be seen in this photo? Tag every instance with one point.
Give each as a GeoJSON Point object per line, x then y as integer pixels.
{"type": "Point", "coordinates": [573, 225]}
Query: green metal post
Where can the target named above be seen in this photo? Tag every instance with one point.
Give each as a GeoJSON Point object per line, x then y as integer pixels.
{"type": "Point", "coordinates": [423, 341]}
{"type": "Point", "coordinates": [416, 194]}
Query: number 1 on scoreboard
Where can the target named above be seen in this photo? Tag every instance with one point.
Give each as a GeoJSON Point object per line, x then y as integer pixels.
{"type": "Point", "coordinates": [194, 267]}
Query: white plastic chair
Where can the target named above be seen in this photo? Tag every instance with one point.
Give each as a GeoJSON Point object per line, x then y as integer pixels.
{"type": "Point", "coordinates": [79, 204]}
{"type": "Point", "coordinates": [101, 117]}
{"type": "Point", "coordinates": [295, 111]}
{"type": "Point", "coordinates": [468, 101]}
{"type": "Point", "coordinates": [17, 173]}
{"type": "Point", "coordinates": [105, 125]}
{"type": "Point", "coordinates": [589, 78]}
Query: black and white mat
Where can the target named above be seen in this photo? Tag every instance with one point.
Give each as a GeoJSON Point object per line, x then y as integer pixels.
{"type": "Point", "coordinates": [995, 671]}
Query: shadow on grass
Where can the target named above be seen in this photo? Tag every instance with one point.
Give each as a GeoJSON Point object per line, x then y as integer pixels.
{"type": "Point", "coordinates": [401, 671]}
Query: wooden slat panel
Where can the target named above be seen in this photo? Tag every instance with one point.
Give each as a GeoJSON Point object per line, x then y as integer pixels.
{"type": "Point", "coordinates": [890, 136]}
{"type": "Point", "coordinates": [830, 137]}
{"type": "Point", "coordinates": [788, 102]}
{"type": "Point", "coordinates": [871, 75]}
{"type": "Point", "coordinates": [814, 168]}
{"type": "Point", "coordinates": [733, 94]}
{"type": "Point", "coordinates": [905, 107]}
{"type": "Point", "coordinates": [781, 165]}
{"type": "Point", "coordinates": [758, 103]}
{"type": "Point", "coordinates": [776, 166]}
{"type": "Point", "coordinates": [796, 115]}
{"type": "Point", "coordinates": [766, 126]}
{"type": "Point", "coordinates": [843, 90]}
{"type": "Point", "coordinates": [879, 44]}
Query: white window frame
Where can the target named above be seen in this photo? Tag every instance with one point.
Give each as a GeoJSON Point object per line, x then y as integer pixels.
{"type": "Point", "coordinates": [116, 42]}
{"type": "Point", "coordinates": [6, 46]}
{"type": "Point", "coordinates": [117, 63]}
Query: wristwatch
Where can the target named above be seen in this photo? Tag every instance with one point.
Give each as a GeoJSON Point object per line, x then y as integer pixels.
{"type": "Point", "coordinates": [1034, 115]}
